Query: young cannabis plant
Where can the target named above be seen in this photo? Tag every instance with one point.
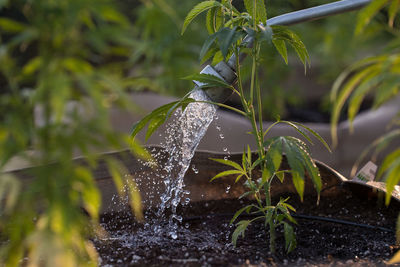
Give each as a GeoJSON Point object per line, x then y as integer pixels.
{"type": "Point", "coordinates": [233, 34]}
{"type": "Point", "coordinates": [228, 28]}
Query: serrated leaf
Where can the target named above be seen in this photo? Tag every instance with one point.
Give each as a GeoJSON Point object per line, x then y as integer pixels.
{"type": "Point", "coordinates": [240, 211]}
{"type": "Point", "coordinates": [274, 156]}
{"type": "Point", "coordinates": [290, 238]}
{"type": "Point", "coordinates": [238, 178]}
{"type": "Point", "coordinates": [229, 163]}
{"type": "Point", "coordinates": [240, 229]}
{"type": "Point", "coordinates": [225, 173]}
{"type": "Point", "coordinates": [198, 9]}
{"type": "Point", "coordinates": [157, 117]}
{"type": "Point", "coordinates": [214, 19]}
{"type": "Point", "coordinates": [257, 10]}
{"type": "Point", "coordinates": [280, 46]}
{"type": "Point", "coordinates": [298, 182]}
{"type": "Point", "coordinates": [314, 133]}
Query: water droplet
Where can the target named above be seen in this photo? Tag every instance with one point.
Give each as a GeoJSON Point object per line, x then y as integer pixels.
{"type": "Point", "coordinates": [227, 189]}
{"type": "Point", "coordinates": [221, 136]}
{"type": "Point", "coordinates": [218, 128]}
{"type": "Point", "coordinates": [196, 171]}
{"type": "Point", "coordinates": [226, 158]}
{"type": "Point", "coordinates": [187, 225]}
{"type": "Point", "coordinates": [187, 200]}
{"type": "Point", "coordinates": [173, 235]}
{"type": "Point", "coordinates": [225, 149]}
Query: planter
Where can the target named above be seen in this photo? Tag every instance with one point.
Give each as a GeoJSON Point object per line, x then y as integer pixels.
{"type": "Point", "coordinates": [347, 227]}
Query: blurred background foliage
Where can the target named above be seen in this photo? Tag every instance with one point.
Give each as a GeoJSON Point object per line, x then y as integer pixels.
{"type": "Point", "coordinates": [63, 64]}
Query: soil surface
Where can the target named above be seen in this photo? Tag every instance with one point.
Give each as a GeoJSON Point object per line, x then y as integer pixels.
{"type": "Point", "coordinates": [204, 236]}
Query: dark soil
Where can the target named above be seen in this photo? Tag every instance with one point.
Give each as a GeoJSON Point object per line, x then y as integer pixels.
{"type": "Point", "coordinates": [204, 236]}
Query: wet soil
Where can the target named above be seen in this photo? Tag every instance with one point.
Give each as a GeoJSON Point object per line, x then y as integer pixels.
{"type": "Point", "coordinates": [205, 233]}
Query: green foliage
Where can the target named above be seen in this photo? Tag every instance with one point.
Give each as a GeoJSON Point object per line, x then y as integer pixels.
{"type": "Point", "coordinates": [227, 28]}
{"type": "Point", "coordinates": [62, 67]}
{"type": "Point", "coordinates": [376, 76]}
{"type": "Point", "coordinates": [226, 37]}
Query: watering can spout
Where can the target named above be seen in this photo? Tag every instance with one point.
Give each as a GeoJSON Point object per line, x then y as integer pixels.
{"type": "Point", "coordinates": [223, 71]}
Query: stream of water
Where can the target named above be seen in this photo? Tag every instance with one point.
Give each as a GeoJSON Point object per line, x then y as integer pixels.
{"type": "Point", "coordinates": [183, 135]}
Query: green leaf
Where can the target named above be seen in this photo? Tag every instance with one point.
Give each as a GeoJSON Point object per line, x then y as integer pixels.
{"type": "Point", "coordinates": [290, 238]}
{"type": "Point", "coordinates": [207, 44]}
{"type": "Point", "coordinates": [314, 133]}
{"type": "Point", "coordinates": [198, 9]}
{"type": "Point", "coordinates": [229, 163]}
{"type": "Point", "coordinates": [298, 182]}
{"type": "Point", "coordinates": [10, 188]}
{"type": "Point", "coordinates": [280, 45]}
{"type": "Point", "coordinates": [364, 16]}
{"type": "Point", "coordinates": [11, 26]}
{"type": "Point", "coordinates": [240, 229]}
{"type": "Point", "coordinates": [388, 161]}
{"type": "Point", "coordinates": [393, 10]}
{"type": "Point", "coordinates": [282, 33]}
{"type": "Point", "coordinates": [225, 173]}
{"type": "Point", "coordinates": [368, 83]}
{"type": "Point", "coordinates": [239, 212]}
{"type": "Point", "coordinates": [135, 199]}
{"type": "Point", "coordinates": [32, 66]}
{"type": "Point", "coordinates": [257, 10]}
{"type": "Point", "coordinates": [392, 178]}
{"type": "Point", "coordinates": [344, 94]}
{"type": "Point", "coordinates": [90, 193]}
{"type": "Point", "coordinates": [208, 80]}
{"type": "Point", "coordinates": [157, 117]}
{"type": "Point", "coordinates": [227, 37]}
{"type": "Point", "coordinates": [214, 19]}
{"type": "Point", "coordinates": [274, 156]}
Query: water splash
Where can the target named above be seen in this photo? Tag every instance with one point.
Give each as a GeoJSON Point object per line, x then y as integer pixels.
{"type": "Point", "coordinates": [182, 137]}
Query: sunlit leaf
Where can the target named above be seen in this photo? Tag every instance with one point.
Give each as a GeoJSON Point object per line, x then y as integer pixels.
{"type": "Point", "coordinates": [239, 231]}
{"type": "Point", "coordinates": [393, 10]}
{"type": "Point", "coordinates": [135, 199]}
{"type": "Point", "coordinates": [257, 10]}
{"type": "Point", "coordinates": [225, 173]}
{"type": "Point", "coordinates": [229, 163]}
{"type": "Point", "coordinates": [280, 45]}
{"type": "Point", "coordinates": [365, 15]}
{"type": "Point", "coordinates": [240, 211]}
{"type": "Point", "coordinates": [198, 9]}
